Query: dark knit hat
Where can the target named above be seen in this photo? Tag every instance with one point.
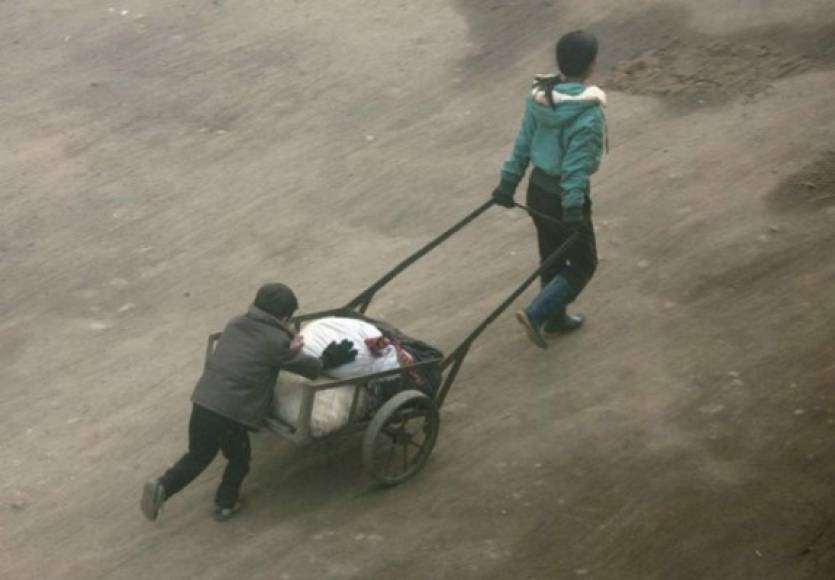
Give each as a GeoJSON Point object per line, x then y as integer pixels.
{"type": "Point", "coordinates": [276, 299]}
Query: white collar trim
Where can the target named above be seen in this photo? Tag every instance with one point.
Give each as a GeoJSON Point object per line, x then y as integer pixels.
{"type": "Point", "coordinates": [590, 94]}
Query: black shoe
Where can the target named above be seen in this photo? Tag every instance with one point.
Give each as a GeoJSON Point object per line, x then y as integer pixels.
{"type": "Point", "coordinates": [153, 496]}
{"type": "Point", "coordinates": [568, 323]}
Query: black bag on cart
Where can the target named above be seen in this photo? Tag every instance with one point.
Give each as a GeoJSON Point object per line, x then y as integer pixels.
{"type": "Point", "coordinates": [427, 379]}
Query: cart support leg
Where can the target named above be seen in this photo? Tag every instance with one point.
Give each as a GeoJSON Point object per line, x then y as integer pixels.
{"type": "Point", "coordinates": [459, 355]}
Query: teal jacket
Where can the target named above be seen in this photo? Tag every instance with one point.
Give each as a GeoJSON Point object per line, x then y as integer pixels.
{"type": "Point", "coordinates": [565, 140]}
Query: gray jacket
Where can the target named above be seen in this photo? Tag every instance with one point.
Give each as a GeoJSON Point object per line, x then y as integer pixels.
{"type": "Point", "coordinates": [240, 375]}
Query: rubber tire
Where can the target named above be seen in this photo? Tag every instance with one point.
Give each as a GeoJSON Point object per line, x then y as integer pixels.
{"type": "Point", "coordinates": [382, 417]}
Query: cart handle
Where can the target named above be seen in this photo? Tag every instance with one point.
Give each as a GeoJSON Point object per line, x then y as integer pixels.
{"type": "Point", "coordinates": [362, 301]}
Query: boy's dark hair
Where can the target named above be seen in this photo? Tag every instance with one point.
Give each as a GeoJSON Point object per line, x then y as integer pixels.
{"type": "Point", "coordinates": [276, 299]}
{"type": "Point", "coordinates": [576, 52]}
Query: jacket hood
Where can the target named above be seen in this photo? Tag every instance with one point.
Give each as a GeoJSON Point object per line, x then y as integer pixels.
{"type": "Point", "coordinates": [256, 313]}
{"type": "Point", "coordinates": [570, 101]}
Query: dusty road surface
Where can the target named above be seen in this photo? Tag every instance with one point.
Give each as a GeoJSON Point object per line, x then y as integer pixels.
{"type": "Point", "coordinates": [162, 159]}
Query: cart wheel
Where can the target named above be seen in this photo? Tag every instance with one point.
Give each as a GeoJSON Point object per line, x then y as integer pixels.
{"type": "Point", "coordinates": [400, 437]}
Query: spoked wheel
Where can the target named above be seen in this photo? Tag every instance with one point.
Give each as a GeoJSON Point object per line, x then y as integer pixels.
{"type": "Point", "coordinates": [400, 437]}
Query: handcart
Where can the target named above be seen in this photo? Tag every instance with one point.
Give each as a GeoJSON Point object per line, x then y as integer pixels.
{"type": "Point", "coordinates": [400, 435]}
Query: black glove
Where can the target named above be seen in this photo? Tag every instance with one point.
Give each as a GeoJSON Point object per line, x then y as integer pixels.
{"type": "Point", "coordinates": [503, 194]}
{"type": "Point", "coordinates": [338, 354]}
{"type": "Point", "coordinates": [573, 218]}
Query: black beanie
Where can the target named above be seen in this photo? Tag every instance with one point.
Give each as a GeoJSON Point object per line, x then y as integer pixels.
{"type": "Point", "coordinates": [276, 299]}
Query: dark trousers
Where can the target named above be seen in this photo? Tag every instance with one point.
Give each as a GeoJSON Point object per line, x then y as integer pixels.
{"type": "Point", "coordinates": [580, 262]}
{"type": "Point", "coordinates": [209, 433]}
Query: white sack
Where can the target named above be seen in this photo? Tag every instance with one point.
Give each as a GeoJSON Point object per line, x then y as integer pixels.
{"type": "Point", "coordinates": [332, 407]}
{"type": "Point", "coordinates": [320, 333]}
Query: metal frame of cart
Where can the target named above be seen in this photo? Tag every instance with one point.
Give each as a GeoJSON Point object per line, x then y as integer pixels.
{"type": "Point", "coordinates": [401, 434]}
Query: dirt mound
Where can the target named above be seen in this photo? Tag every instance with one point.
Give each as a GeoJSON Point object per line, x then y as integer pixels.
{"type": "Point", "coordinates": [706, 73]}
{"type": "Point", "coordinates": [810, 188]}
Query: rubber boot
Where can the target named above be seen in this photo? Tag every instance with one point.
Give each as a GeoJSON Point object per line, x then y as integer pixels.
{"type": "Point", "coordinates": [550, 302]}
{"type": "Point", "coordinates": [562, 324]}
{"type": "Point", "coordinates": [532, 329]}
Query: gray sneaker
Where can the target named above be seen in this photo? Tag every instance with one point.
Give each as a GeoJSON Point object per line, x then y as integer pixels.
{"type": "Point", "coordinates": [223, 514]}
{"type": "Point", "coordinates": [532, 330]}
{"type": "Point", "coordinates": [153, 496]}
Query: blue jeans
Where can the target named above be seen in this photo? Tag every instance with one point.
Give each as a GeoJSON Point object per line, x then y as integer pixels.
{"type": "Point", "coordinates": [550, 301]}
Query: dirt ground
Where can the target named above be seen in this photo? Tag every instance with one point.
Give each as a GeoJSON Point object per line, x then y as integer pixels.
{"type": "Point", "coordinates": [160, 160]}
